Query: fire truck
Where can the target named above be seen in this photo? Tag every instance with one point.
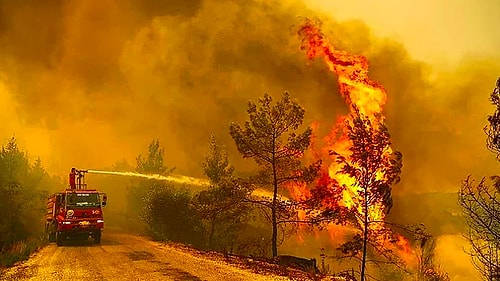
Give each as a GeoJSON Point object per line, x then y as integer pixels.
{"type": "Point", "coordinates": [75, 212]}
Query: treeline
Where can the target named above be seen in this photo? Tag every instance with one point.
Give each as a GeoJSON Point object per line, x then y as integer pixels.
{"type": "Point", "coordinates": [24, 187]}
{"type": "Point", "coordinates": [227, 215]}
{"type": "Point", "coordinates": [253, 215]}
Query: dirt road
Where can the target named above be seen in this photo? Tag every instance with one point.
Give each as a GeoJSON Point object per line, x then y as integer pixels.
{"type": "Point", "coordinates": [124, 257]}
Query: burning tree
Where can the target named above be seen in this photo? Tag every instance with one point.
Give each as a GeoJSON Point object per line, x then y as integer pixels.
{"type": "Point", "coordinates": [481, 205]}
{"type": "Point", "coordinates": [356, 190]}
{"type": "Point", "coordinates": [270, 139]}
{"type": "Point", "coordinates": [372, 168]}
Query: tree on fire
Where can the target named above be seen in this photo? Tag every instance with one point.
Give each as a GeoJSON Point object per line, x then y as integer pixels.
{"type": "Point", "coordinates": [221, 206]}
{"type": "Point", "coordinates": [481, 205]}
{"type": "Point", "coordinates": [270, 138]}
{"type": "Point", "coordinates": [368, 160]}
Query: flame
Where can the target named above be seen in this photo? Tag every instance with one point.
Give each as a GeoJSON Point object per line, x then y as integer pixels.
{"type": "Point", "coordinates": [359, 92]}
{"type": "Point", "coordinates": [366, 98]}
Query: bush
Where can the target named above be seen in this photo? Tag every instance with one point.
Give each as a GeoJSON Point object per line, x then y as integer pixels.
{"type": "Point", "coordinates": [169, 215]}
{"type": "Point", "coordinates": [20, 250]}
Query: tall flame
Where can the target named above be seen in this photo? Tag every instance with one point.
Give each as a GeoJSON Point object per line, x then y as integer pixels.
{"type": "Point", "coordinates": [364, 97]}
{"type": "Point", "coordinates": [359, 92]}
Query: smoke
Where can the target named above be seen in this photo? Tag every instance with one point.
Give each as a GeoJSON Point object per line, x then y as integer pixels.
{"type": "Point", "coordinates": [111, 75]}
{"type": "Point", "coordinates": [89, 83]}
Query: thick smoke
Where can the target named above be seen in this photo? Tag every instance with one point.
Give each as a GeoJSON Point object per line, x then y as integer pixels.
{"type": "Point", "coordinates": [95, 81]}
{"type": "Point", "coordinates": [89, 83]}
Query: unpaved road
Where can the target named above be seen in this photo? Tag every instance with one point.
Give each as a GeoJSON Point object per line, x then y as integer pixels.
{"type": "Point", "coordinates": [124, 257]}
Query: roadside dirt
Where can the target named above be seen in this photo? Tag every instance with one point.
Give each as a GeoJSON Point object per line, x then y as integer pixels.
{"type": "Point", "coordinates": [129, 257]}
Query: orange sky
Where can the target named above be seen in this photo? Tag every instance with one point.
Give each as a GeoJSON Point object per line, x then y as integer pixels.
{"type": "Point", "coordinates": [431, 30]}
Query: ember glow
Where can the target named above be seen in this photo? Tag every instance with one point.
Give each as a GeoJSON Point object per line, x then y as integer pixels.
{"type": "Point", "coordinates": [365, 98]}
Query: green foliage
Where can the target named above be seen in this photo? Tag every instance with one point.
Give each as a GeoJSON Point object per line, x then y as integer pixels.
{"type": "Point", "coordinates": [221, 207]}
{"type": "Point", "coordinates": [216, 165]}
{"type": "Point", "coordinates": [270, 138]}
{"type": "Point", "coordinates": [22, 202]}
{"type": "Point", "coordinates": [20, 250]}
{"type": "Point", "coordinates": [138, 190]}
{"type": "Point", "coordinates": [24, 188]}
{"type": "Point", "coordinates": [169, 215]}
{"type": "Point", "coordinates": [153, 163]}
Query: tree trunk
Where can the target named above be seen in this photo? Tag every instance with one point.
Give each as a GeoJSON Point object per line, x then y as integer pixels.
{"type": "Point", "coordinates": [365, 235]}
{"type": "Point", "coordinates": [274, 240]}
{"type": "Point", "coordinates": [211, 234]}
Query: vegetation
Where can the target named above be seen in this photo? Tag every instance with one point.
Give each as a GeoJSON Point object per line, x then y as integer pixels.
{"type": "Point", "coordinates": [139, 190]}
{"type": "Point", "coordinates": [24, 187]}
{"type": "Point", "coordinates": [169, 215]}
{"type": "Point", "coordinates": [425, 246]}
{"type": "Point", "coordinates": [370, 193]}
{"type": "Point", "coordinates": [270, 139]}
{"type": "Point", "coordinates": [221, 207]}
{"type": "Point", "coordinates": [481, 205]}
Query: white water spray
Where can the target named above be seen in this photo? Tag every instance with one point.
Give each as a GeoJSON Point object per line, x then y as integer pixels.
{"type": "Point", "coordinates": [180, 179]}
{"type": "Point", "coordinates": [173, 178]}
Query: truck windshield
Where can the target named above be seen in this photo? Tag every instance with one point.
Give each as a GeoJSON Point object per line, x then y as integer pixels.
{"type": "Point", "coordinates": [82, 199]}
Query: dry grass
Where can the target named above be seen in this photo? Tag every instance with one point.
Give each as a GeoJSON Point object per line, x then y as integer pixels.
{"type": "Point", "coordinates": [19, 251]}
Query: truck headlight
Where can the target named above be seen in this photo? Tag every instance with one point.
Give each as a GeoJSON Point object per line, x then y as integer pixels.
{"type": "Point", "coordinates": [100, 221]}
{"type": "Point", "coordinates": [66, 222]}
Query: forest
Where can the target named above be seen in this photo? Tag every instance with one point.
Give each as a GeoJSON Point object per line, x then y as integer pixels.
{"type": "Point", "coordinates": [289, 193]}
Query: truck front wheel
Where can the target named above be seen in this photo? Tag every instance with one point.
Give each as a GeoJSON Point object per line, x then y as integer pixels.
{"type": "Point", "coordinates": [97, 237]}
{"type": "Point", "coordinates": [59, 239]}
{"type": "Point", "coordinates": [52, 236]}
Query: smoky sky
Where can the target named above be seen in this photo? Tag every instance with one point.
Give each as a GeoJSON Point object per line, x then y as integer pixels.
{"type": "Point", "coordinates": [104, 78]}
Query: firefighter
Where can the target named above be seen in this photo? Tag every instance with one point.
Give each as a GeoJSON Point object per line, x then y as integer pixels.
{"type": "Point", "coordinates": [72, 177]}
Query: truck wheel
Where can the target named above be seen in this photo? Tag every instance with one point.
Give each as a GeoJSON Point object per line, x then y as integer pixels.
{"type": "Point", "coordinates": [59, 239]}
{"type": "Point", "coordinates": [52, 236]}
{"type": "Point", "coordinates": [97, 238]}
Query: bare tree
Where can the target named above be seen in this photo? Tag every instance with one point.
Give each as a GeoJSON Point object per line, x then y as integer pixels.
{"type": "Point", "coordinates": [481, 208]}
{"type": "Point", "coordinates": [481, 205]}
{"type": "Point", "coordinates": [425, 245]}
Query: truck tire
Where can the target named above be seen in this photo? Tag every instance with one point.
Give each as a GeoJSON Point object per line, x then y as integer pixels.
{"type": "Point", "coordinates": [97, 237]}
{"type": "Point", "coordinates": [59, 239]}
{"type": "Point", "coordinates": [52, 236]}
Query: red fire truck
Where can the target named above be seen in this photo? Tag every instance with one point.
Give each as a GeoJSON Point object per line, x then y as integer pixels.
{"type": "Point", "coordinates": [75, 212]}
